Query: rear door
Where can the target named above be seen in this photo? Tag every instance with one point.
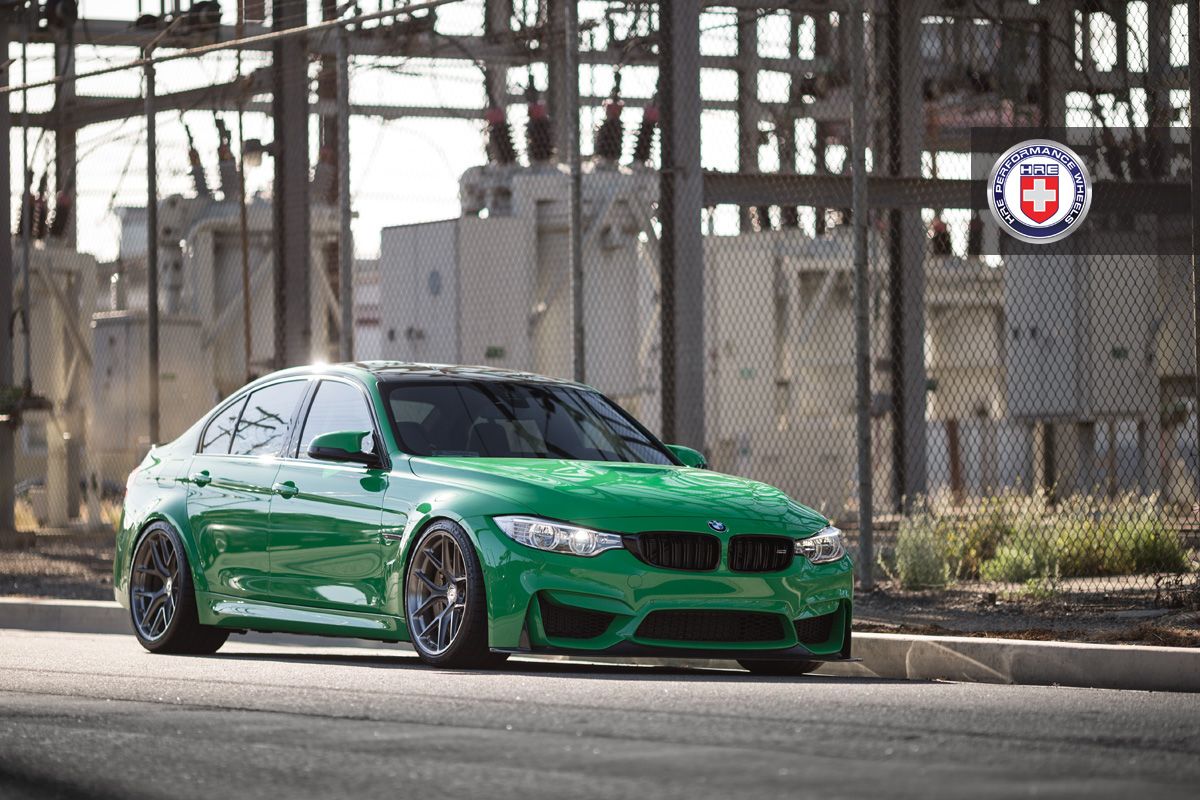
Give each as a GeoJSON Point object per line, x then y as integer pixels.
{"type": "Point", "coordinates": [326, 543]}
{"type": "Point", "coordinates": [230, 484]}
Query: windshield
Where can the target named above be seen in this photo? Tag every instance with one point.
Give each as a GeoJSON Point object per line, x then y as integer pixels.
{"type": "Point", "coordinates": [506, 419]}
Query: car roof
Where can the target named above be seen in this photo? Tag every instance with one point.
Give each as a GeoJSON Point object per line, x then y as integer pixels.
{"type": "Point", "coordinates": [384, 370]}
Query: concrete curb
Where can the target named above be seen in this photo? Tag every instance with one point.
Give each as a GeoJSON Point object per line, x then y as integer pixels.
{"type": "Point", "coordinates": [884, 655]}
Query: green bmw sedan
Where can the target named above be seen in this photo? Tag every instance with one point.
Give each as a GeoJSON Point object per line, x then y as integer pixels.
{"type": "Point", "coordinates": [475, 513]}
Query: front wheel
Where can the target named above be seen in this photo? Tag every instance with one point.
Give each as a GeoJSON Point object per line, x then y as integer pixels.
{"type": "Point", "coordinates": [444, 601]}
{"type": "Point", "coordinates": [779, 667]}
{"type": "Point", "coordinates": [162, 600]}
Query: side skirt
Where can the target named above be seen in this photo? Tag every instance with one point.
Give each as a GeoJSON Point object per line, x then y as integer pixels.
{"type": "Point", "coordinates": [240, 613]}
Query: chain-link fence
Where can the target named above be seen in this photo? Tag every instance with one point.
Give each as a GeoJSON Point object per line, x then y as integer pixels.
{"type": "Point", "coordinates": [1032, 406]}
{"type": "Point", "coordinates": [1031, 409]}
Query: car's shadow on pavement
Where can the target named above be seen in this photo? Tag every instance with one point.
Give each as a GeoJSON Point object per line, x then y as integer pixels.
{"type": "Point", "coordinates": [547, 668]}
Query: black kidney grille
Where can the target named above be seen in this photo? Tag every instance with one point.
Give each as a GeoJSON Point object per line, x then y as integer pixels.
{"type": "Point", "coordinates": [711, 626]}
{"type": "Point", "coordinates": [815, 630]}
{"type": "Point", "coordinates": [566, 622]}
{"type": "Point", "coordinates": [760, 553]}
{"type": "Point", "coordinates": [691, 551]}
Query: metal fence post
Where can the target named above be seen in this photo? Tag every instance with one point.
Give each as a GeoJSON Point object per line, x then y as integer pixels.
{"type": "Point", "coordinates": [8, 534]}
{"type": "Point", "coordinates": [345, 236]}
{"type": "Point", "coordinates": [859, 132]}
{"type": "Point", "coordinates": [570, 117]}
{"type": "Point", "coordinates": [152, 253]}
{"type": "Point", "coordinates": [26, 218]}
{"type": "Point", "coordinates": [1194, 152]}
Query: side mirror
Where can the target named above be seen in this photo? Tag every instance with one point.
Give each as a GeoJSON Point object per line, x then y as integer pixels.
{"type": "Point", "coordinates": [689, 457]}
{"type": "Point", "coordinates": [345, 446]}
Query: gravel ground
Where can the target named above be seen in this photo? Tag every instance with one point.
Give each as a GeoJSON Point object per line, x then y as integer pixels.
{"type": "Point", "coordinates": [68, 565]}
{"type": "Point", "coordinates": [1171, 619]}
{"type": "Point", "coordinates": [77, 565]}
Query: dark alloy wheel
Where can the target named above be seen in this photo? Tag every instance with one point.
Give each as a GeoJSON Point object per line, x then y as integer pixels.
{"type": "Point", "coordinates": [154, 588]}
{"type": "Point", "coordinates": [162, 602]}
{"type": "Point", "coordinates": [444, 600]}
{"type": "Point", "coordinates": [779, 667]}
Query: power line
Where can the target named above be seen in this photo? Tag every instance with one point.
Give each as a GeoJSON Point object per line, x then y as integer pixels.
{"type": "Point", "coordinates": [230, 44]}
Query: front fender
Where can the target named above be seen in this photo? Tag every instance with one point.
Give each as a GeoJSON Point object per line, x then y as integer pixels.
{"type": "Point", "coordinates": [403, 523]}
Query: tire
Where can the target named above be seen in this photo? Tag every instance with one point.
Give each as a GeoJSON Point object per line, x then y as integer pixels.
{"type": "Point", "coordinates": [784, 668]}
{"type": "Point", "coordinates": [445, 602]}
{"type": "Point", "coordinates": [162, 598]}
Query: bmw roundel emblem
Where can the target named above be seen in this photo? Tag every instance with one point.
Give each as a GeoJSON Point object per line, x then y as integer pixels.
{"type": "Point", "coordinates": [717, 525]}
{"type": "Point", "coordinates": [1039, 191]}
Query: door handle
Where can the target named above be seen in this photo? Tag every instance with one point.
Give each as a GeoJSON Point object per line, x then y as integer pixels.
{"type": "Point", "coordinates": [286, 489]}
{"type": "Point", "coordinates": [202, 478]}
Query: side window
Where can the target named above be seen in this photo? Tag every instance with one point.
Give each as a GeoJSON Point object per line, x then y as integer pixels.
{"type": "Point", "coordinates": [266, 419]}
{"type": "Point", "coordinates": [219, 433]}
{"type": "Point", "coordinates": [337, 407]}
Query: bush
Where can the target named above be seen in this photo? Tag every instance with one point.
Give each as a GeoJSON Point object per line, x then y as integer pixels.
{"type": "Point", "coordinates": [974, 542]}
{"type": "Point", "coordinates": [921, 557]}
{"type": "Point", "coordinates": [1015, 539]}
{"type": "Point", "coordinates": [1153, 547]}
{"type": "Point", "coordinates": [1018, 562]}
{"type": "Point", "coordinates": [1088, 538]}
{"type": "Point", "coordinates": [1085, 548]}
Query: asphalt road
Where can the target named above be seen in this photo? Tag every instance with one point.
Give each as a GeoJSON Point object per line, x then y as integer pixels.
{"type": "Point", "coordinates": [95, 716]}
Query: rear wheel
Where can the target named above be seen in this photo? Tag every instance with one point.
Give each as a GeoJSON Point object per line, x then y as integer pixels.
{"type": "Point", "coordinates": [162, 600]}
{"type": "Point", "coordinates": [779, 667]}
{"type": "Point", "coordinates": [444, 600]}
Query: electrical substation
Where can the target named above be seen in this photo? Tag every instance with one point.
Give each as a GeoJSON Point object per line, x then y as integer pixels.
{"type": "Point", "coordinates": [989, 373]}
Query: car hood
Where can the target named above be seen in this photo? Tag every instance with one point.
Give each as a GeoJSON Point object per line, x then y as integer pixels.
{"type": "Point", "coordinates": [591, 492]}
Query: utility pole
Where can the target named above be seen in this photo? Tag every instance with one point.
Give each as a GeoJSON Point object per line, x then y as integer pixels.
{"type": "Point", "coordinates": [859, 133]}
{"type": "Point", "coordinates": [9, 537]}
{"type": "Point", "coordinates": [65, 146]}
{"type": "Point", "coordinates": [681, 195]}
{"type": "Point", "coordinates": [152, 338]}
{"type": "Point", "coordinates": [152, 252]}
{"type": "Point", "coordinates": [570, 119]}
{"type": "Point", "coordinates": [345, 235]}
{"type": "Point", "coordinates": [901, 31]}
{"type": "Point", "coordinates": [558, 77]}
{"type": "Point", "coordinates": [748, 108]}
{"type": "Point", "coordinates": [293, 252]}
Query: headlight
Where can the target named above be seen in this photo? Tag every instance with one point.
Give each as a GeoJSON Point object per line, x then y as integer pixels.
{"type": "Point", "coordinates": [557, 537]}
{"type": "Point", "coordinates": [822, 547]}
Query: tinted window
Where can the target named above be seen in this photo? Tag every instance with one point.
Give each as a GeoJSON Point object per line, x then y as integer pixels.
{"type": "Point", "coordinates": [219, 432]}
{"type": "Point", "coordinates": [506, 419]}
{"type": "Point", "coordinates": [337, 407]}
{"type": "Point", "coordinates": [267, 417]}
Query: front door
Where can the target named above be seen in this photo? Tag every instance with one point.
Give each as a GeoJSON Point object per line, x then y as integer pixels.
{"type": "Point", "coordinates": [326, 545]}
{"type": "Point", "coordinates": [230, 488]}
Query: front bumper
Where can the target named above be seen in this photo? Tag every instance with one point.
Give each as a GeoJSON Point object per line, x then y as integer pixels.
{"type": "Point", "coordinates": [623, 591]}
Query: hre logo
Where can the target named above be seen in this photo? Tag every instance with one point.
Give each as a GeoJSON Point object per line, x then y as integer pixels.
{"type": "Point", "coordinates": [1039, 191]}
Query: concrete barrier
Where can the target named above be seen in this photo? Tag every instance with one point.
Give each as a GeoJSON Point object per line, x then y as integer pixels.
{"type": "Point", "coordinates": [884, 655]}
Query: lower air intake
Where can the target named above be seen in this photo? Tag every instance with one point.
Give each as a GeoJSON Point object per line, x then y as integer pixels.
{"type": "Point", "coordinates": [711, 626]}
{"type": "Point", "coordinates": [815, 630]}
{"type": "Point", "coordinates": [567, 622]}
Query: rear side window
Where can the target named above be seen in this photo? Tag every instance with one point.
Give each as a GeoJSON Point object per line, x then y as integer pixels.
{"type": "Point", "coordinates": [219, 433]}
{"type": "Point", "coordinates": [337, 407]}
{"type": "Point", "coordinates": [267, 418]}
